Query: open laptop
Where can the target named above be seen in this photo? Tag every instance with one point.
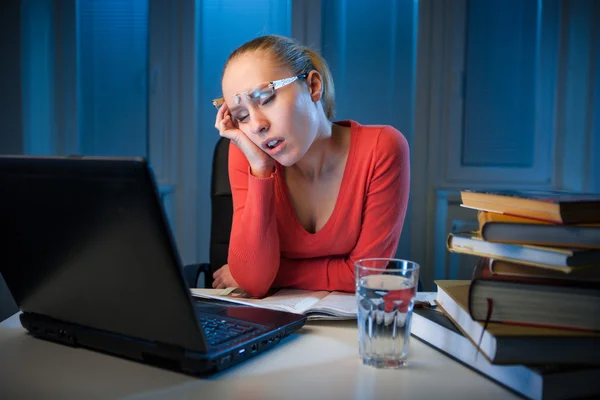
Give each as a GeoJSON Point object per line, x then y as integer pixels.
{"type": "Point", "coordinates": [87, 253]}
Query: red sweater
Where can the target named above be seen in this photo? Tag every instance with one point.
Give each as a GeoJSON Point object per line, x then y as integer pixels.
{"type": "Point", "coordinates": [270, 248]}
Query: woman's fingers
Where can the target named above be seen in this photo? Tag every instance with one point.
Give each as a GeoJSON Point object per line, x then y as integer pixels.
{"type": "Point", "coordinates": [225, 125]}
{"type": "Point", "coordinates": [223, 121]}
{"type": "Point", "coordinates": [218, 279]}
{"type": "Point", "coordinates": [219, 284]}
{"type": "Point", "coordinates": [221, 112]}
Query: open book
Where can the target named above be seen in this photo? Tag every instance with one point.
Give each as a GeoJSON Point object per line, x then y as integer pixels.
{"type": "Point", "coordinates": [314, 304]}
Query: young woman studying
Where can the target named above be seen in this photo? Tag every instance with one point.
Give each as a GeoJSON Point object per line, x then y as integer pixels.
{"type": "Point", "coordinates": [310, 196]}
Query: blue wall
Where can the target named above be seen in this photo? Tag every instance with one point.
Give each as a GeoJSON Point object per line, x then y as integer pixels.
{"type": "Point", "coordinates": [500, 82]}
{"type": "Point", "coordinates": [112, 52]}
{"type": "Point", "coordinates": [374, 68]}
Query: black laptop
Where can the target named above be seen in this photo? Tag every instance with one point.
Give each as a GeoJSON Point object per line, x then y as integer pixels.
{"type": "Point", "coordinates": [87, 253]}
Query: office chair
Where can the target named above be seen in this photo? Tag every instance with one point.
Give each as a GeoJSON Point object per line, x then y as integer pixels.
{"type": "Point", "coordinates": [221, 219]}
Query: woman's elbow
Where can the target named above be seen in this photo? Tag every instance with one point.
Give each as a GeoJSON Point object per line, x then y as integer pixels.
{"type": "Point", "coordinates": [256, 289]}
{"type": "Point", "coordinates": [256, 283]}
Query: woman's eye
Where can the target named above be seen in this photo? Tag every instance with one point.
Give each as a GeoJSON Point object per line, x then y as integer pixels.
{"type": "Point", "coordinates": [241, 118]}
{"type": "Point", "coordinates": [267, 100]}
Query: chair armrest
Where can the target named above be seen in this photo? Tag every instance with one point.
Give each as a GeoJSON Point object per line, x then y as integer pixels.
{"type": "Point", "coordinates": [191, 274]}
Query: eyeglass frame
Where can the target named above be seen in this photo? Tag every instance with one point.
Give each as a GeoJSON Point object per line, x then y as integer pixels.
{"type": "Point", "coordinates": [278, 84]}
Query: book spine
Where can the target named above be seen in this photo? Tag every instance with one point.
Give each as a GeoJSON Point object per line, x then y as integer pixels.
{"type": "Point", "coordinates": [479, 272]}
{"type": "Point", "coordinates": [499, 268]}
{"type": "Point", "coordinates": [484, 271]}
{"type": "Point", "coordinates": [487, 315]}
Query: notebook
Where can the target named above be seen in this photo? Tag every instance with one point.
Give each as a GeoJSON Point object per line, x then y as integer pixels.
{"type": "Point", "coordinates": [90, 259]}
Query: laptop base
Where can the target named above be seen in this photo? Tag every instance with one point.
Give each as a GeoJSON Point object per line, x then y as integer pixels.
{"type": "Point", "coordinates": [161, 355]}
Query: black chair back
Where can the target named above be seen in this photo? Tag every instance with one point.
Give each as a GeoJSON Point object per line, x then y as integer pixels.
{"type": "Point", "coordinates": [222, 207]}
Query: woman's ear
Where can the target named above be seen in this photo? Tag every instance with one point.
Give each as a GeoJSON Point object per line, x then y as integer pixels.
{"type": "Point", "coordinates": [314, 82]}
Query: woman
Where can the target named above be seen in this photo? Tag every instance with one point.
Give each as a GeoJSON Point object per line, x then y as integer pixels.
{"type": "Point", "coordinates": [310, 196]}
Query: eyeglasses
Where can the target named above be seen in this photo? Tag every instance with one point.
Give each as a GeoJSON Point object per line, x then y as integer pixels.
{"type": "Point", "coordinates": [261, 92]}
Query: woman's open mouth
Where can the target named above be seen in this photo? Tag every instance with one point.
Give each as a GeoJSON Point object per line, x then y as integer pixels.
{"type": "Point", "coordinates": [273, 146]}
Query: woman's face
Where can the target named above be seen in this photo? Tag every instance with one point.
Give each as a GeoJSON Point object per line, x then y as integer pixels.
{"type": "Point", "coordinates": [283, 124]}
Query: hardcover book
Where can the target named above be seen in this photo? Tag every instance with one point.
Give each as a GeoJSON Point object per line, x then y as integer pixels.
{"type": "Point", "coordinates": [525, 300]}
{"type": "Point", "coordinates": [541, 382]}
{"type": "Point", "coordinates": [552, 206]}
{"type": "Point", "coordinates": [559, 258]}
{"type": "Point", "coordinates": [514, 344]}
{"type": "Point", "coordinates": [503, 228]}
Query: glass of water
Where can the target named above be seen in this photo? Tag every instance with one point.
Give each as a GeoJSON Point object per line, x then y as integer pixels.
{"type": "Point", "coordinates": [385, 292]}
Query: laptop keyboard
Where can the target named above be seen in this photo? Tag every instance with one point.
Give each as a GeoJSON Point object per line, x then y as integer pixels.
{"type": "Point", "coordinates": [218, 330]}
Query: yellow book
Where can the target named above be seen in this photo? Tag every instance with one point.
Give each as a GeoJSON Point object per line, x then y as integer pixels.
{"type": "Point", "coordinates": [559, 207]}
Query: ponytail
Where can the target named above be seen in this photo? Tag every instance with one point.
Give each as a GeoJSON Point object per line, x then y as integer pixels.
{"type": "Point", "coordinates": [320, 65]}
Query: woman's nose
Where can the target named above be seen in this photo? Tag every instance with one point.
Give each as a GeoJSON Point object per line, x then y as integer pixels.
{"type": "Point", "coordinates": [259, 123]}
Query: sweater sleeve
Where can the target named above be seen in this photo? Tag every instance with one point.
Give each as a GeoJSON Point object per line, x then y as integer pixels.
{"type": "Point", "coordinates": [383, 216]}
{"type": "Point", "coordinates": [253, 256]}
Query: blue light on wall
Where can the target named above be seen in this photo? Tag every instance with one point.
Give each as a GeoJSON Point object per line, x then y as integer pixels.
{"type": "Point", "coordinates": [112, 54]}
{"type": "Point", "coordinates": [37, 69]}
{"type": "Point", "coordinates": [501, 72]}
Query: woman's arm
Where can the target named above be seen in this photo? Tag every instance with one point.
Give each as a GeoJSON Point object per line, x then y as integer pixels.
{"type": "Point", "coordinates": [383, 216]}
{"type": "Point", "coordinates": [254, 243]}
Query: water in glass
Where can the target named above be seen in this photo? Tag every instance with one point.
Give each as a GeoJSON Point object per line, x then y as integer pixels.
{"type": "Point", "coordinates": [385, 304]}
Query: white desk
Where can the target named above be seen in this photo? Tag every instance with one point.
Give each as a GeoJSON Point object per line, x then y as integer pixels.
{"type": "Point", "coordinates": [319, 362]}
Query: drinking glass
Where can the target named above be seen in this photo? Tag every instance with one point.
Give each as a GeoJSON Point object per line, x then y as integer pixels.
{"type": "Point", "coordinates": [385, 292]}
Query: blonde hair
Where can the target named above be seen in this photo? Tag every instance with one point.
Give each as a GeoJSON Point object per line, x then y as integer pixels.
{"type": "Point", "coordinates": [300, 59]}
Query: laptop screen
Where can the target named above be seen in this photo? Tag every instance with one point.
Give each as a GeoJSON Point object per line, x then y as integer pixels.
{"type": "Point", "coordinates": [86, 241]}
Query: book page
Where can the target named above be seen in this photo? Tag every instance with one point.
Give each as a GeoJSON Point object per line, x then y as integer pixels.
{"type": "Point", "coordinates": [342, 305]}
{"type": "Point", "coordinates": [426, 299]}
{"type": "Point", "coordinates": [294, 300]}
{"type": "Point", "coordinates": [314, 304]}
{"type": "Point", "coordinates": [338, 304]}
{"type": "Point", "coordinates": [318, 316]}
{"type": "Point", "coordinates": [291, 300]}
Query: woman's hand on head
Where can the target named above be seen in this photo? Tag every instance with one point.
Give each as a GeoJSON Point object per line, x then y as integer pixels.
{"type": "Point", "coordinates": [223, 279]}
{"type": "Point", "coordinates": [261, 164]}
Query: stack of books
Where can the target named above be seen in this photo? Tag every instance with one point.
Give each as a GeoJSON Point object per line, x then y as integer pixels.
{"type": "Point", "coordinates": [530, 316]}
{"type": "Point", "coordinates": [538, 265]}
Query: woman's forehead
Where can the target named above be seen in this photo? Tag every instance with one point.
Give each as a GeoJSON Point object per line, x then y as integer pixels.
{"type": "Point", "coordinates": [246, 71]}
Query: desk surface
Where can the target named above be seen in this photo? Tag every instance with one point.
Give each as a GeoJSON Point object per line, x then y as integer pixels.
{"type": "Point", "coordinates": [320, 361]}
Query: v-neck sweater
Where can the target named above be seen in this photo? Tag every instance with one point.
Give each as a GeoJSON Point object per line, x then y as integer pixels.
{"type": "Point", "coordinates": [269, 247]}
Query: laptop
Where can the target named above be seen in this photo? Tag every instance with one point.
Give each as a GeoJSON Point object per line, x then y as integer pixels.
{"type": "Point", "coordinates": [89, 257]}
